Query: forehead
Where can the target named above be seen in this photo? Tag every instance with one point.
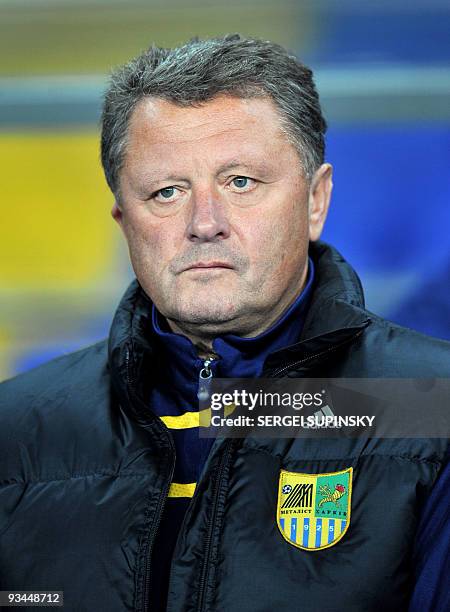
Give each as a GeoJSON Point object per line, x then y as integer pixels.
{"type": "Point", "coordinates": [222, 123]}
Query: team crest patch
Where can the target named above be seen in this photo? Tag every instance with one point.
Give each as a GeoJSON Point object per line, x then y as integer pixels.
{"type": "Point", "coordinates": [313, 510]}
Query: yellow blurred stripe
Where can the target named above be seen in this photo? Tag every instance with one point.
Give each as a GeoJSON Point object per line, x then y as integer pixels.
{"type": "Point", "coordinates": [81, 38]}
{"type": "Point", "coordinates": [188, 420]}
{"type": "Point", "coordinates": [178, 489]}
{"type": "Point", "coordinates": [183, 421]}
{"type": "Point", "coordinates": [56, 228]}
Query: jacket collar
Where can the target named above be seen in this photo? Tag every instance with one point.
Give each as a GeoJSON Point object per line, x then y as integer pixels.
{"type": "Point", "coordinates": [336, 314]}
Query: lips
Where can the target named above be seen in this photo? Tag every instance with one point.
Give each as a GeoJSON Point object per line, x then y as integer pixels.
{"type": "Point", "coordinates": [204, 265]}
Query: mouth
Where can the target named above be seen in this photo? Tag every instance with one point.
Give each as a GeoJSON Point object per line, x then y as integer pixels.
{"type": "Point", "coordinates": [209, 265]}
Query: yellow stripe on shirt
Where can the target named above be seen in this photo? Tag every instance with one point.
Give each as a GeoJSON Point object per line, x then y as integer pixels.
{"type": "Point", "coordinates": [188, 420]}
{"type": "Point", "coordinates": [182, 421]}
{"type": "Point", "coordinates": [178, 489]}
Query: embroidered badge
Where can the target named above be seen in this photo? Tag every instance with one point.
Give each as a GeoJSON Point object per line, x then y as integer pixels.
{"type": "Point", "coordinates": [313, 510]}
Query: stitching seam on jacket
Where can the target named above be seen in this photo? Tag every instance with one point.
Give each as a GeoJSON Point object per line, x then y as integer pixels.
{"type": "Point", "coordinates": [349, 458]}
{"type": "Point", "coordinates": [10, 481]}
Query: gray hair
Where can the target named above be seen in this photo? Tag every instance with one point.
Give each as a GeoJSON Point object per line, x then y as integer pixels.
{"type": "Point", "coordinates": [202, 69]}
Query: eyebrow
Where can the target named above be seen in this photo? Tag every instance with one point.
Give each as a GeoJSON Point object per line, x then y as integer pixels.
{"type": "Point", "coordinates": [148, 182]}
{"type": "Point", "coordinates": [236, 163]}
{"type": "Point", "coordinates": [155, 178]}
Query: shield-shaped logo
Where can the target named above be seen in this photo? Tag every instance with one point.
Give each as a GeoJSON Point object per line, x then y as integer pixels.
{"type": "Point", "coordinates": [313, 510]}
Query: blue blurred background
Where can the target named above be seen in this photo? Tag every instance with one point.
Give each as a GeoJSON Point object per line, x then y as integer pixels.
{"type": "Point", "coordinates": [383, 72]}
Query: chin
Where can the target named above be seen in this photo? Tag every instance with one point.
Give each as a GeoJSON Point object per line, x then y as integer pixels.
{"type": "Point", "coordinates": [201, 309]}
{"type": "Point", "coordinates": [211, 314]}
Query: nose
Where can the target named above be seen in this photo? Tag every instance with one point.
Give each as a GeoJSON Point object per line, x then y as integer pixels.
{"type": "Point", "coordinates": [208, 220]}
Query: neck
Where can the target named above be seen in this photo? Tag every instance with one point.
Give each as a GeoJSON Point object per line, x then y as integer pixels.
{"type": "Point", "coordinates": [202, 343]}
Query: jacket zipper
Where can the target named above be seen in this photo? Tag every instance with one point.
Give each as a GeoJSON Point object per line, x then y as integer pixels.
{"type": "Point", "coordinates": [205, 377]}
{"type": "Point", "coordinates": [161, 500]}
{"type": "Point", "coordinates": [223, 464]}
{"type": "Point", "coordinates": [224, 460]}
{"type": "Point", "coordinates": [152, 536]}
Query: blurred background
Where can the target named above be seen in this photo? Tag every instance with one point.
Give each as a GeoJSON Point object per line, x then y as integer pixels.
{"type": "Point", "coordinates": [383, 72]}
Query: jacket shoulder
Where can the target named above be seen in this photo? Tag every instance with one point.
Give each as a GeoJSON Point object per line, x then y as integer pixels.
{"type": "Point", "coordinates": [62, 375]}
{"type": "Point", "coordinates": [42, 408]}
{"type": "Point", "coordinates": [394, 350]}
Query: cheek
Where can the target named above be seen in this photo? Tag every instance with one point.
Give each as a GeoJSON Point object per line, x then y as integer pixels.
{"type": "Point", "coordinates": [150, 242]}
{"type": "Point", "coordinates": [278, 243]}
{"type": "Point", "coordinates": [147, 253]}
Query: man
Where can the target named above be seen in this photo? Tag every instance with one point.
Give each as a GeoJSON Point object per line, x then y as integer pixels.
{"type": "Point", "coordinates": [214, 152]}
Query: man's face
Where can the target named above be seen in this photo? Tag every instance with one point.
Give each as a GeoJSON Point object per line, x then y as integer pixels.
{"type": "Point", "coordinates": [217, 214]}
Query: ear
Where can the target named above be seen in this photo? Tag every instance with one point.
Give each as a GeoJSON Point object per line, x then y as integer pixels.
{"type": "Point", "coordinates": [116, 213]}
{"type": "Point", "coordinates": [319, 199]}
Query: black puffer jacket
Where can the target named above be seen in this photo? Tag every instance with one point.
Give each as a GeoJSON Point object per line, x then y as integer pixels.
{"type": "Point", "coordinates": [85, 468]}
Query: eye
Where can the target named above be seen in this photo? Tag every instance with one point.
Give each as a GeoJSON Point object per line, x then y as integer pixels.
{"type": "Point", "coordinates": [242, 183]}
{"type": "Point", "coordinates": [166, 194]}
